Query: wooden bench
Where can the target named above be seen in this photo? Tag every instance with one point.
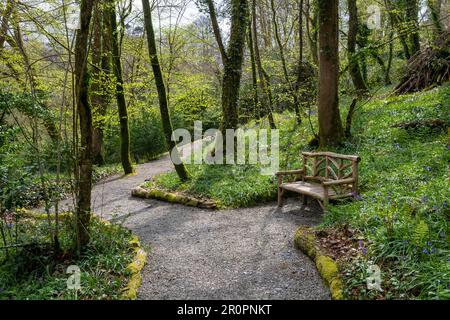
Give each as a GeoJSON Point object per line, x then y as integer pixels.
{"type": "Point", "coordinates": [325, 176]}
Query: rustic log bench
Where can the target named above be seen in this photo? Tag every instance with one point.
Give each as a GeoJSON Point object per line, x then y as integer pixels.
{"type": "Point", "coordinates": [325, 176]}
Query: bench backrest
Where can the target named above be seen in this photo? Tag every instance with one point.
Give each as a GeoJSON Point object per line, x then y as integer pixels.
{"type": "Point", "coordinates": [330, 166]}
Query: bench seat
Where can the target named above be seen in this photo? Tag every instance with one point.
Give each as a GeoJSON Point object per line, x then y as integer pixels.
{"type": "Point", "coordinates": [325, 176]}
{"type": "Point", "coordinates": [312, 189]}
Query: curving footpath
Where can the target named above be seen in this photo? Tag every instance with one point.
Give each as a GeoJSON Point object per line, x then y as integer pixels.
{"type": "Point", "coordinates": [203, 254]}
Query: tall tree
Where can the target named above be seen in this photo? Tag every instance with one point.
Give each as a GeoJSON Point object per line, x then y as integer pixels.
{"type": "Point", "coordinates": [100, 49]}
{"type": "Point", "coordinates": [412, 17]}
{"type": "Point", "coordinates": [435, 12]}
{"type": "Point", "coordinates": [292, 90]}
{"type": "Point", "coordinates": [312, 29]}
{"type": "Point", "coordinates": [253, 66]}
{"type": "Point", "coordinates": [232, 60]}
{"type": "Point", "coordinates": [353, 64]}
{"type": "Point", "coordinates": [330, 127]}
{"type": "Point", "coordinates": [216, 29]}
{"type": "Point", "coordinates": [84, 179]}
{"type": "Point", "coordinates": [264, 80]}
{"type": "Point", "coordinates": [120, 95]}
{"type": "Point", "coordinates": [162, 95]}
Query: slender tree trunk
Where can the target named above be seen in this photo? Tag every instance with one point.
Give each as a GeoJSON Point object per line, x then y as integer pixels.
{"type": "Point", "coordinates": [292, 90]}
{"type": "Point", "coordinates": [159, 81]}
{"type": "Point", "coordinates": [395, 22]}
{"type": "Point", "coordinates": [84, 180]}
{"type": "Point", "coordinates": [98, 98]}
{"type": "Point", "coordinates": [435, 12]}
{"type": "Point", "coordinates": [216, 29]}
{"type": "Point", "coordinates": [412, 12]}
{"type": "Point", "coordinates": [233, 64]}
{"type": "Point", "coordinates": [120, 95]}
{"type": "Point", "coordinates": [330, 126]}
{"type": "Point", "coordinates": [387, 78]}
{"type": "Point", "coordinates": [263, 78]}
{"type": "Point", "coordinates": [311, 31]}
{"type": "Point", "coordinates": [17, 43]}
{"type": "Point", "coordinates": [253, 65]}
{"type": "Point", "coordinates": [354, 69]}
{"type": "Point", "coordinates": [5, 20]}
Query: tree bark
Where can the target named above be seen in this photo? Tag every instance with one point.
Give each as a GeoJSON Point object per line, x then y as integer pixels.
{"type": "Point", "coordinates": [263, 79]}
{"type": "Point", "coordinates": [412, 12]}
{"type": "Point", "coordinates": [84, 180]}
{"type": "Point", "coordinates": [435, 12]}
{"type": "Point", "coordinates": [283, 62]}
{"type": "Point", "coordinates": [17, 42]}
{"type": "Point", "coordinates": [99, 101]}
{"type": "Point", "coordinates": [354, 69]}
{"type": "Point", "coordinates": [395, 23]}
{"type": "Point", "coordinates": [159, 81]}
{"type": "Point", "coordinates": [233, 64]}
{"type": "Point", "coordinates": [216, 29]}
{"type": "Point", "coordinates": [311, 31]}
{"type": "Point", "coordinates": [330, 125]}
{"type": "Point", "coordinates": [120, 95]}
{"type": "Point", "coordinates": [253, 66]}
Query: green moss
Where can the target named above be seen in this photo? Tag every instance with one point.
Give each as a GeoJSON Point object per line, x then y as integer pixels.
{"type": "Point", "coordinates": [305, 241]}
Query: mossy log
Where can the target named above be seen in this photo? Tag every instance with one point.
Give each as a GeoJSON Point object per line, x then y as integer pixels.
{"type": "Point", "coordinates": [158, 194]}
{"type": "Point", "coordinates": [305, 240]}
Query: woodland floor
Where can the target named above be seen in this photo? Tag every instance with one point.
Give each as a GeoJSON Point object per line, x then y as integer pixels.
{"type": "Point", "coordinates": [205, 254]}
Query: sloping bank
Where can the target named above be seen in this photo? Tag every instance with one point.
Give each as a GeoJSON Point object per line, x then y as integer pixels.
{"type": "Point", "coordinates": [138, 256]}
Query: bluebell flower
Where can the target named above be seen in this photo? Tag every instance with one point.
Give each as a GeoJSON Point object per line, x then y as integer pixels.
{"type": "Point", "coordinates": [361, 246]}
{"type": "Point", "coordinates": [425, 251]}
{"type": "Point", "coordinates": [428, 168]}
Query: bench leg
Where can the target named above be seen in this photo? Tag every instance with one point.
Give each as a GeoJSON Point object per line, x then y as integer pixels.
{"type": "Point", "coordinates": [304, 199]}
{"type": "Point", "coordinates": [280, 197]}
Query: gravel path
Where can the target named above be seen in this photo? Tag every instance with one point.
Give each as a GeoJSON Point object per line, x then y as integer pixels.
{"type": "Point", "coordinates": [203, 254]}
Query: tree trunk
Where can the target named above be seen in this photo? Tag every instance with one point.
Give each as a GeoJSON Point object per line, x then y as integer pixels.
{"type": "Point", "coordinates": [99, 98]}
{"type": "Point", "coordinates": [435, 12]}
{"type": "Point", "coordinates": [283, 62]}
{"type": "Point", "coordinates": [354, 69]}
{"type": "Point", "coordinates": [263, 79]}
{"type": "Point", "coordinates": [233, 64]}
{"type": "Point", "coordinates": [395, 23]}
{"type": "Point", "coordinates": [159, 81]}
{"type": "Point", "coordinates": [17, 43]}
{"type": "Point", "coordinates": [216, 29]}
{"type": "Point", "coordinates": [412, 12]}
{"type": "Point", "coordinates": [84, 180]}
{"type": "Point", "coordinates": [330, 126]}
{"type": "Point", "coordinates": [120, 96]}
{"type": "Point", "coordinates": [311, 31]}
{"type": "Point", "coordinates": [253, 65]}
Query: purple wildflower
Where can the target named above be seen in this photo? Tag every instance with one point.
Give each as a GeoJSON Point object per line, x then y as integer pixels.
{"type": "Point", "coordinates": [361, 246]}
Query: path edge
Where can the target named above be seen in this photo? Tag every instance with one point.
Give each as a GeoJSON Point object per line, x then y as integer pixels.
{"type": "Point", "coordinates": [305, 241]}
{"type": "Point", "coordinates": [155, 193]}
{"type": "Point", "coordinates": [134, 267]}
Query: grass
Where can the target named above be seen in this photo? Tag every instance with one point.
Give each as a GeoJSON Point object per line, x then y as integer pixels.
{"type": "Point", "coordinates": [31, 272]}
{"type": "Point", "coordinates": [404, 211]}
{"type": "Point", "coordinates": [219, 184]}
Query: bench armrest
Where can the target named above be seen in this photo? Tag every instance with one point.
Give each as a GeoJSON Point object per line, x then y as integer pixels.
{"type": "Point", "coordinates": [290, 172]}
{"type": "Point", "coordinates": [334, 182]}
